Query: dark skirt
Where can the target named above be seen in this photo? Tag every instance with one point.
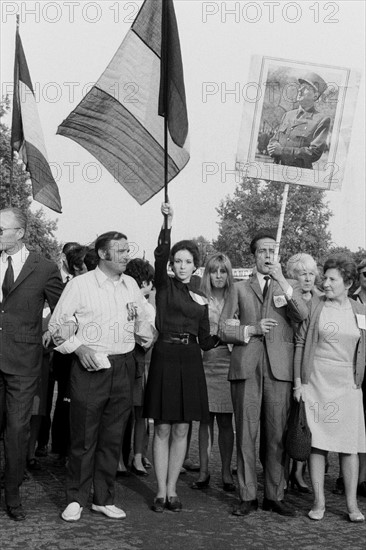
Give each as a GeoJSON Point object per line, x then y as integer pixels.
{"type": "Point", "coordinates": [176, 387]}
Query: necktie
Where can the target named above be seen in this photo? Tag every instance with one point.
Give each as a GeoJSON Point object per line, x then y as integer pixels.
{"type": "Point", "coordinates": [8, 279]}
{"type": "Point", "coordinates": [265, 288]}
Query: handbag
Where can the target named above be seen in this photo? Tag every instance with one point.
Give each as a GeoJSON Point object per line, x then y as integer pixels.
{"type": "Point", "coordinates": [298, 438]}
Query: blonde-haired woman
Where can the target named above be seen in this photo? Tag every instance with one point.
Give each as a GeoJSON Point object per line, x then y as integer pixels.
{"type": "Point", "coordinates": [216, 282]}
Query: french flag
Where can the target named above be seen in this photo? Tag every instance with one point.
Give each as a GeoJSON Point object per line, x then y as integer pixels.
{"type": "Point", "coordinates": [27, 136]}
{"type": "Point", "coordinates": [121, 120]}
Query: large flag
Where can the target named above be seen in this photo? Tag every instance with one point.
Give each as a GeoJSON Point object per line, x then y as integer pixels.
{"type": "Point", "coordinates": [27, 136]}
{"type": "Point", "coordinates": [121, 120]}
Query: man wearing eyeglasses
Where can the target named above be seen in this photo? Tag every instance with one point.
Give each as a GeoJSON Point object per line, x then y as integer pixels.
{"type": "Point", "coordinates": [261, 372]}
{"type": "Point", "coordinates": [26, 281]}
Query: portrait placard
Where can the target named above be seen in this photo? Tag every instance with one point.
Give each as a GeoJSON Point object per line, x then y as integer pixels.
{"type": "Point", "coordinates": [297, 122]}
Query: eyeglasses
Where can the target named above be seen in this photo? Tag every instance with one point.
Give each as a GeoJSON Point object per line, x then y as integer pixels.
{"type": "Point", "coordinates": [265, 251]}
{"type": "Point", "coordinates": [2, 229]}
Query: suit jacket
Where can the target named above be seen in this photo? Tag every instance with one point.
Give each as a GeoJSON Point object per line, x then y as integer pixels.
{"type": "Point", "coordinates": [247, 300]}
{"type": "Point", "coordinates": [21, 316]}
{"type": "Point", "coordinates": [303, 139]}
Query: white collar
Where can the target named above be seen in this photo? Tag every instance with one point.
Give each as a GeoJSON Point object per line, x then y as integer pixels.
{"type": "Point", "coordinates": [19, 256]}
{"type": "Point", "coordinates": [101, 277]}
{"type": "Point", "coordinates": [65, 275]}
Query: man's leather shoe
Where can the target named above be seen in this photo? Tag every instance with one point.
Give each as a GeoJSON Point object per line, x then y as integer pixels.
{"type": "Point", "coordinates": [16, 512]}
{"type": "Point", "coordinates": [72, 512]}
{"type": "Point", "coordinates": [278, 506]}
{"type": "Point", "coordinates": [109, 510]}
{"type": "Point", "coordinates": [245, 507]}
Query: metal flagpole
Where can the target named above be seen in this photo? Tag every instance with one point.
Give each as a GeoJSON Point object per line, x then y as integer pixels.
{"type": "Point", "coordinates": [164, 61]}
{"type": "Point", "coordinates": [16, 80]}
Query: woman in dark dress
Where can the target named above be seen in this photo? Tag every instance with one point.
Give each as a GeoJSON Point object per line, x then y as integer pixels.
{"type": "Point", "coordinates": [176, 390]}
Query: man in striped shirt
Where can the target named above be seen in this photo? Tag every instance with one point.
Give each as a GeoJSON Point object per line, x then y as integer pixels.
{"type": "Point", "coordinates": [99, 317]}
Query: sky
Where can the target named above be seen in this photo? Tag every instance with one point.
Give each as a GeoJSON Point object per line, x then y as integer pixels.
{"type": "Point", "coordinates": [69, 44]}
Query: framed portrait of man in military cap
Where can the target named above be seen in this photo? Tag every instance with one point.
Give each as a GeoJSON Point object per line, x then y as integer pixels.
{"type": "Point", "coordinates": [297, 122]}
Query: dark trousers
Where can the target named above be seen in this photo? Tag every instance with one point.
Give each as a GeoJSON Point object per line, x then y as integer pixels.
{"type": "Point", "coordinates": [16, 401]}
{"type": "Point", "coordinates": [61, 416]}
{"type": "Point", "coordinates": [100, 404]}
{"type": "Point", "coordinates": [44, 430]}
{"type": "Point", "coordinates": [127, 439]}
{"type": "Point", "coordinates": [261, 401]}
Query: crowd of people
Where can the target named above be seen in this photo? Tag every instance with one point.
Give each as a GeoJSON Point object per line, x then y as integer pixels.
{"type": "Point", "coordinates": [124, 343]}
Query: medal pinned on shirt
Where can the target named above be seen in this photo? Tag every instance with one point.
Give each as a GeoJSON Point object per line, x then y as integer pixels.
{"type": "Point", "coordinates": [131, 311]}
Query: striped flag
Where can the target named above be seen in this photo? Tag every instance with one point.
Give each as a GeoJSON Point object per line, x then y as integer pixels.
{"type": "Point", "coordinates": [121, 120]}
{"type": "Point", "coordinates": [27, 136]}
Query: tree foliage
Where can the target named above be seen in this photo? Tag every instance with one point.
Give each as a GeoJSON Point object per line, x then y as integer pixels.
{"type": "Point", "coordinates": [40, 234]}
{"type": "Point", "coordinates": [256, 205]}
{"type": "Point", "coordinates": [205, 248]}
{"type": "Point", "coordinates": [344, 250]}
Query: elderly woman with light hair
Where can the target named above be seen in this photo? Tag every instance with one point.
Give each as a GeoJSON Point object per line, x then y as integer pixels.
{"type": "Point", "coordinates": [303, 268]}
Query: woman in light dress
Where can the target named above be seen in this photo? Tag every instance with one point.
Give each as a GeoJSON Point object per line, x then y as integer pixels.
{"type": "Point", "coordinates": [329, 370]}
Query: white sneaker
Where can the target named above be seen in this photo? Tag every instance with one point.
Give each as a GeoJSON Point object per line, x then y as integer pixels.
{"type": "Point", "coordinates": [72, 512]}
{"type": "Point", "coordinates": [110, 510]}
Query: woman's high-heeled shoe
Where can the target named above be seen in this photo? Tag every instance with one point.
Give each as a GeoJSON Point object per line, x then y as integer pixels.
{"type": "Point", "coordinates": [201, 484]}
{"type": "Point", "coordinates": [316, 515]}
{"type": "Point", "coordinates": [295, 483]}
{"type": "Point", "coordinates": [300, 488]}
{"type": "Point", "coordinates": [356, 517]}
{"type": "Point", "coordinates": [137, 471]}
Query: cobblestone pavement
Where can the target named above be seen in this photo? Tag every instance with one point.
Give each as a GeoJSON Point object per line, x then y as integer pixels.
{"type": "Point", "coordinates": [204, 523]}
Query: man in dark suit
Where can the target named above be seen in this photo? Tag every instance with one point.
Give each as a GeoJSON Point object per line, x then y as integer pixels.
{"type": "Point", "coordinates": [261, 372]}
{"type": "Point", "coordinates": [301, 137]}
{"type": "Point", "coordinates": [26, 281]}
